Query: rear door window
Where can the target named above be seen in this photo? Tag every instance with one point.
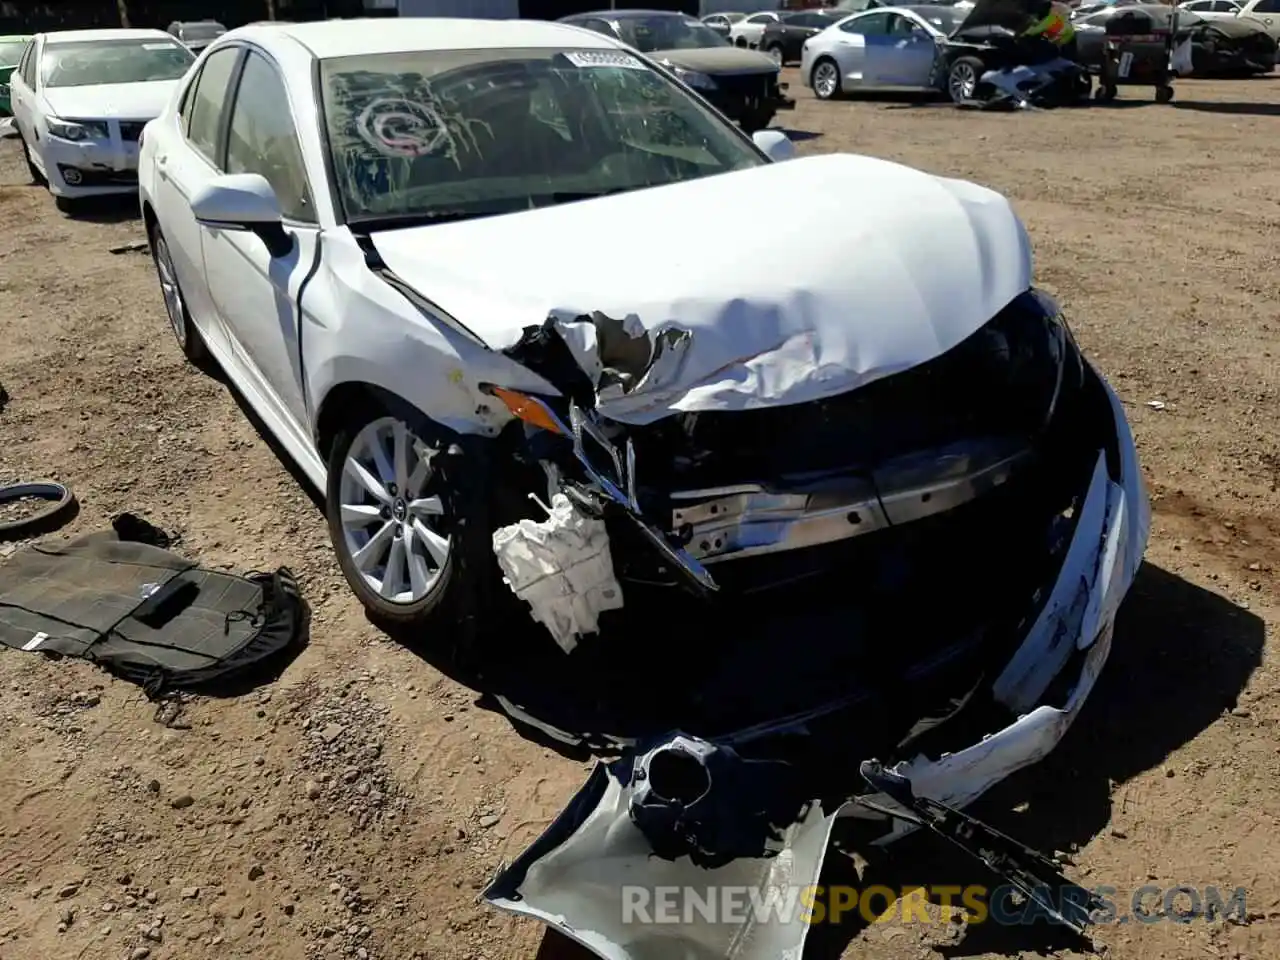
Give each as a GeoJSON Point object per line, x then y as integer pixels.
{"type": "Point", "coordinates": [207, 105]}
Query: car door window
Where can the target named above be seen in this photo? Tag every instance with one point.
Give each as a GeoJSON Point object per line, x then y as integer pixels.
{"type": "Point", "coordinates": [599, 26]}
{"type": "Point", "coordinates": [262, 138]}
{"type": "Point", "coordinates": [1267, 6]}
{"type": "Point", "coordinates": [206, 103]}
{"type": "Point", "coordinates": [761, 18]}
{"type": "Point", "coordinates": [29, 66]}
{"type": "Point", "coordinates": [872, 25]}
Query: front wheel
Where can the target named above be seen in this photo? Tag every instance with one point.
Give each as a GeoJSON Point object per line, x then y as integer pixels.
{"type": "Point", "coordinates": [32, 170]}
{"type": "Point", "coordinates": [962, 78]}
{"type": "Point", "coordinates": [392, 516]}
{"type": "Point", "coordinates": [1164, 94]}
{"type": "Point", "coordinates": [775, 54]}
{"type": "Point", "coordinates": [825, 79]}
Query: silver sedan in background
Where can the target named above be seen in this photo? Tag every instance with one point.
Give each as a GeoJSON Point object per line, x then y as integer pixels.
{"type": "Point", "coordinates": [886, 48]}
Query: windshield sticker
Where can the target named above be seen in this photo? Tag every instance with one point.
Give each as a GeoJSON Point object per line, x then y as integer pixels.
{"type": "Point", "coordinates": [399, 127]}
{"type": "Point", "coordinates": [603, 58]}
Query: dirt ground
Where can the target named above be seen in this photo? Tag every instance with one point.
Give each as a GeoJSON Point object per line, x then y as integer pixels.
{"type": "Point", "coordinates": [355, 807]}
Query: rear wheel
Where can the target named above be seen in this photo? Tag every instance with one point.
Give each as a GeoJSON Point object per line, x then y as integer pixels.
{"type": "Point", "coordinates": [825, 79]}
{"type": "Point", "coordinates": [175, 304]}
{"type": "Point", "coordinates": [1106, 93]}
{"type": "Point", "coordinates": [1164, 94]}
{"type": "Point", "coordinates": [775, 54]}
{"type": "Point", "coordinates": [962, 78]}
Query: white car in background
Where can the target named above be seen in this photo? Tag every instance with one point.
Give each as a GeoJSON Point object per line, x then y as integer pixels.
{"type": "Point", "coordinates": [1265, 13]}
{"type": "Point", "coordinates": [748, 31]}
{"type": "Point", "coordinates": [1213, 9]}
{"type": "Point", "coordinates": [80, 101]}
{"type": "Point", "coordinates": [885, 48]}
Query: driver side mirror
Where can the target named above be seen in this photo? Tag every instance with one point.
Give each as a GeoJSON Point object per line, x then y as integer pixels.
{"type": "Point", "coordinates": [775, 144]}
{"type": "Point", "coordinates": [244, 202]}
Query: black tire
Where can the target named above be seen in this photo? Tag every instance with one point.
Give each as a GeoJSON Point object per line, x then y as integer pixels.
{"type": "Point", "coordinates": [437, 606]}
{"type": "Point", "coordinates": [1164, 94]}
{"type": "Point", "coordinates": [963, 78]}
{"type": "Point", "coordinates": [756, 121]}
{"type": "Point", "coordinates": [62, 508]}
{"type": "Point", "coordinates": [818, 76]}
{"type": "Point", "coordinates": [184, 331]}
{"type": "Point", "coordinates": [65, 205]}
{"type": "Point", "coordinates": [1106, 92]}
{"type": "Point", "coordinates": [775, 50]}
{"type": "Point", "coordinates": [36, 176]}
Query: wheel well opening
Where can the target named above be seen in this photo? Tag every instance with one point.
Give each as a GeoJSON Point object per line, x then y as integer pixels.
{"type": "Point", "coordinates": [338, 405]}
{"type": "Point", "coordinates": [148, 218]}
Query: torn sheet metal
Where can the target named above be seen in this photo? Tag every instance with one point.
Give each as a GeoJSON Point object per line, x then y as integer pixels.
{"type": "Point", "coordinates": [741, 321]}
{"type": "Point", "coordinates": [562, 568]}
{"type": "Point", "coordinates": [594, 877]}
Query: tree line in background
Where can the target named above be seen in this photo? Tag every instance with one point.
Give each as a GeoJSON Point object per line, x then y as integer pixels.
{"type": "Point", "coordinates": [32, 16]}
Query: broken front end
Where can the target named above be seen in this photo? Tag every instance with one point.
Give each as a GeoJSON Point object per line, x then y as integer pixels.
{"type": "Point", "coordinates": [924, 570]}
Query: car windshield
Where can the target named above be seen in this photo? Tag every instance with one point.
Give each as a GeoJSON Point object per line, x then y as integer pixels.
{"type": "Point", "coordinates": [11, 52]}
{"type": "Point", "coordinates": [942, 19]}
{"type": "Point", "coordinates": [113, 61]}
{"type": "Point", "coordinates": [447, 135]}
{"type": "Point", "coordinates": [202, 31]}
{"type": "Point", "coordinates": [663, 32]}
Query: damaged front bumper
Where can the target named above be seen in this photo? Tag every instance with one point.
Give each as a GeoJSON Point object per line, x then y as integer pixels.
{"type": "Point", "coordinates": [591, 873]}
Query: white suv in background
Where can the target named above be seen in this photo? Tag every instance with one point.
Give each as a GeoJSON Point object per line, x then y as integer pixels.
{"type": "Point", "coordinates": [80, 100]}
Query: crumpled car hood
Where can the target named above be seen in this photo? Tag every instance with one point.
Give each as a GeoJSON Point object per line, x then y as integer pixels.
{"type": "Point", "coordinates": [871, 268]}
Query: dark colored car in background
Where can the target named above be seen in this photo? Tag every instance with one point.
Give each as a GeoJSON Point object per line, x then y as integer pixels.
{"type": "Point", "coordinates": [782, 40]}
{"type": "Point", "coordinates": [1219, 48]}
{"type": "Point", "coordinates": [195, 35]}
{"type": "Point", "coordinates": [742, 84]}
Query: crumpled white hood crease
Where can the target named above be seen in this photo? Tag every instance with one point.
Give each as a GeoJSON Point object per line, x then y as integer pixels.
{"type": "Point", "coordinates": [594, 876]}
{"type": "Point", "coordinates": [876, 268]}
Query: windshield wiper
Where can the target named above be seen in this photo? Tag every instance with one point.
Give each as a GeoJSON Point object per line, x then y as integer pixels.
{"type": "Point", "coordinates": [572, 196]}
{"type": "Point", "coordinates": [390, 221]}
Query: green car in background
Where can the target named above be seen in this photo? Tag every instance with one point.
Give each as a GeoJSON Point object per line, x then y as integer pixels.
{"type": "Point", "coordinates": [10, 53]}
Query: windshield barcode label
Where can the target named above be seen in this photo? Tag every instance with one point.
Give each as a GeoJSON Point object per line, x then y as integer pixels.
{"type": "Point", "coordinates": [603, 58]}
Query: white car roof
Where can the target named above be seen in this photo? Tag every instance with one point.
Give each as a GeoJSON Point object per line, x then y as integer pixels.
{"type": "Point", "coordinates": [341, 38]}
{"type": "Point", "coordinates": [118, 33]}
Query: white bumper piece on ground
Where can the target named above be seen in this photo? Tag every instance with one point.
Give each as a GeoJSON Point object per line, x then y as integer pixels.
{"type": "Point", "coordinates": [562, 568]}
{"type": "Point", "coordinates": [594, 876]}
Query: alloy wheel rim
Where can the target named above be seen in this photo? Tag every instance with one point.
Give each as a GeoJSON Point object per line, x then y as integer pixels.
{"type": "Point", "coordinates": [825, 80]}
{"type": "Point", "coordinates": [390, 520]}
{"type": "Point", "coordinates": [963, 80]}
{"type": "Point", "coordinates": [775, 53]}
{"type": "Point", "coordinates": [169, 289]}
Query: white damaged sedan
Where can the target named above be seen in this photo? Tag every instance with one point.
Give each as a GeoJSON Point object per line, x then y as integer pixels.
{"type": "Point", "coordinates": [492, 286]}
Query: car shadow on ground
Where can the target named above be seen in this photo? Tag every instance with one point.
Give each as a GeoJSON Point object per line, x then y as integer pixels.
{"type": "Point", "coordinates": [1231, 108]}
{"type": "Point", "coordinates": [1181, 657]}
{"type": "Point", "coordinates": [113, 208]}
